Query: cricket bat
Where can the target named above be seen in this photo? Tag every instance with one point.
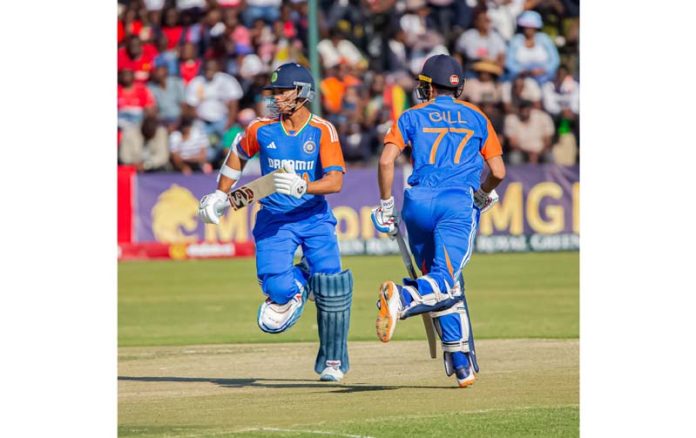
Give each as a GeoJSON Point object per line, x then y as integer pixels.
{"type": "Point", "coordinates": [253, 191]}
{"type": "Point", "coordinates": [427, 320]}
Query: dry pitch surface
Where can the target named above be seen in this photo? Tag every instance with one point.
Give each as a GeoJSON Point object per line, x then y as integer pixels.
{"type": "Point", "coordinates": [526, 388]}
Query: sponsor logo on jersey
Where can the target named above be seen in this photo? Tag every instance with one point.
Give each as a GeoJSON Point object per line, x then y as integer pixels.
{"type": "Point", "coordinates": [275, 163]}
{"type": "Point", "coordinates": [309, 147]}
{"type": "Point", "coordinates": [272, 145]}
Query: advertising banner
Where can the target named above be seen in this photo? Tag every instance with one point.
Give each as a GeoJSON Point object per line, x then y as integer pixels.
{"type": "Point", "coordinates": [538, 211]}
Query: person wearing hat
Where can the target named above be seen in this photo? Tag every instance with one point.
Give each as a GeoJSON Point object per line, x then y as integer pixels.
{"type": "Point", "coordinates": [307, 148]}
{"type": "Point", "coordinates": [450, 141]}
{"type": "Point", "coordinates": [531, 51]}
{"type": "Point", "coordinates": [483, 87]}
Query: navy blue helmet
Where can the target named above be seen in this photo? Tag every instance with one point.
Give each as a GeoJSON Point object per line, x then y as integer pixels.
{"type": "Point", "coordinates": [291, 76]}
{"type": "Point", "coordinates": [443, 71]}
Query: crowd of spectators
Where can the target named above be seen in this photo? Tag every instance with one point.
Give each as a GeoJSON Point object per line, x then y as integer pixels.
{"type": "Point", "coordinates": [191, 72]}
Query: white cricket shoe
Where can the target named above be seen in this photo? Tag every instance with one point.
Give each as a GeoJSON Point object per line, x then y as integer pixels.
{"type": "Point", "coordinates": [388, 304]}
{"type": "Point", "coordinates": [331, 374]}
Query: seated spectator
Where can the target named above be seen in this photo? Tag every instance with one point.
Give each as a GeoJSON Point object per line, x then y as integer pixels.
{"type": "Point", "coordinates": [266, 10]}
{"type": "Point", "coordinates": [138, 58]}
{"type": "Point", "coordinates": [214, 96]}
{"type": "Point", "coordinates": [166, 56]}
{"type": "Point", "coordinates": [519, 89]}
{"type": "Point", "coordinates": [482, 43]}
{"type": "Point", "coordinates": [169, 94]}
{"type": "Point", "coordinates": [171, 28]}
{"type": "Point", "coordinates": [483, 87]}
{"type": "Point", "coordinates": [245, 117]}
{"type": "Point", "coordinates": [528, 135]}
{"type": "Point", "coordinates": [145, 147]}
{"type": "Point", "coordinates": [532, 52]}
{"type": "Point", "coordinates": [134, 100]}
{"type": "Point", "coordinates": [337, 49]}
{"type": "Point", "coordinates": [189, 64]}
{"type": "Point", "coordinates": [189, 148]}
{"type": "Point", "coordinates": [503, 15]}
{"type": "Point", "coordinates": [561, 96]}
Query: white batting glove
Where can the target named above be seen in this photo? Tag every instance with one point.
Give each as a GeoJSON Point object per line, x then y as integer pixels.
{"type": "Point", "coordinates": [290, 183]}
{"type": "Point", "coordinates": [213, 206]}
{"type": "Point", "coordinates": [484, 201]}
{"type": "Point", "coordinates": [384, 217]}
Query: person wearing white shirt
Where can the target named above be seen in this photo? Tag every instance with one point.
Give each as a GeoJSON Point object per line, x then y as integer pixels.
{"type": "Point", "coordinates": [189, 147]}
{"type": "Point", "coordinates": [482, 42]}
{"type": "Point", "coordinates": [214, 96]}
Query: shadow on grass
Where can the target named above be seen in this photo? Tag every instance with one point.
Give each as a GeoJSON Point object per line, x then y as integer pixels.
{"type": "Point", "coordinates": [277, 383]}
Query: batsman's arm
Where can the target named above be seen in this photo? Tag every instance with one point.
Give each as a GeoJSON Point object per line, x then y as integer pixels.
{"type": "Point", "coordinates": [230, 172]}
{"type": "Point", "coordinates": [385, 172]}
{"type": "Point", "coordinates": [331, 182]}
{"type": "Point", "coordinates": [496, 174]}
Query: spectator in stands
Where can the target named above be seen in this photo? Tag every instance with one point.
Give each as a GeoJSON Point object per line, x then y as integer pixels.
{"type": "Point", "coordinates": [532, 52]}
{"type": "Point", "coordinates": [169, 93]}
{"type": "Point", "coordinates": [529, 134]}
{"type": "Point", "coordinates": [266, 10]}
{"type": "Point", "coordinates": [482, 43]}
{"type": "Point", "coordinates": [254, 75]}
{"type": "Point", "coordinates": [189, 147]}
{"type": "Point", "coordinates": [145, 147]}
{"type": "Point", "coordinates": [245, 117]}
{"type": "Point", "coordinates": [138, 58]}
{"type": "Point", "coordinates": [337, 49]}
{"type": "Point", "coordinates": [189, 64]}
{"type": "Point", "coordinates": [166, 56]}
{"type": "Point", "coordinates": [171, 28]}
{"type": "Point", "coordinates": [521, 88]}
{"type": "Point", "coordinates": [214, 96]}
{"type": "Point", "coordinates": [483, 87]}
{"type": "Point", "coordinates": [561, 96]}
{"type": "Point", "coordinates": [134, 100]}
{"type": "Point", "coordinates": [503, 15]}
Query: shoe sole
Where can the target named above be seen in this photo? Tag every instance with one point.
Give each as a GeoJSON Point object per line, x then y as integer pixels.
{"type": "Point", "coordinates": [385, 322]}
{"type": "Point", "coordinates": [467, 381]}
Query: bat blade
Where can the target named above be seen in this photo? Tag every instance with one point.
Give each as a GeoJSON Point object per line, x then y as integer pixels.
{"type": "Point", "coordinates": [253, 191]}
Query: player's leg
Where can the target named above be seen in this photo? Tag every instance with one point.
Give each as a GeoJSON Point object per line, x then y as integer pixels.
{"type": "Point", "coordinates": [333, 290]}
{"type": "Point", "coordinates": [283, 284]}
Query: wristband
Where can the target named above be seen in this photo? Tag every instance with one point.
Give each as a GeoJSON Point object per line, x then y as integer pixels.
{"type": "Point", "coordinates": [386, 203]}
{"type": "Point", "coordinates": [230, 172]}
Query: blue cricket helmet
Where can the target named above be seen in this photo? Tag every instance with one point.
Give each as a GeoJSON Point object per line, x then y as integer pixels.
{"type": "Point", "coordinates": [443, 71]}
{"type": "Point", "coordinates": [291, 76]}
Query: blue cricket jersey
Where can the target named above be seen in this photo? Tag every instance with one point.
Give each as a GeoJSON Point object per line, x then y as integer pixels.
{"type": "Point", "coordinates": [313, 150]}
{"type": "Point", "coordinates": [449, 138]}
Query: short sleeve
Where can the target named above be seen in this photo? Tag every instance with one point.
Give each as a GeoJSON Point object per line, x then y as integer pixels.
{"type": "Point", "coordinates": [396, 133]}
{"type": "Point", "coordinates": [248, 145]}
{"type": "Point", "coordinates": [330, 152]}
{"type": "Point", "coordinates": [491, 148]}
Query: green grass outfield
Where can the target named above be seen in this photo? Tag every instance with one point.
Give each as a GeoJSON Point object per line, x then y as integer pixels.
{"type": "Point", "coordinates": [184, 369]}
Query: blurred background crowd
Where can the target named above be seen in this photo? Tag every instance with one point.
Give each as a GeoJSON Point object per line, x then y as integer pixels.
{"type": "Point", "coordinates": [191, 72]}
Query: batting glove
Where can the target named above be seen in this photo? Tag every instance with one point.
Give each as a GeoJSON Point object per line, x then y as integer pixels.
{"type": "Point", "coordinates": [384, 217]}
{"type": "Point", "coordinates": [290, 184]}
{"type": "Point", "coordinates": [213, 206]}
{"type": "Point", "coordinates": [484, 201]}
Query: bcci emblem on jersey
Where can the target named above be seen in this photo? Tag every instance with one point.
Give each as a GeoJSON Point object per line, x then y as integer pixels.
{"type": "Point", "coordinates": [309, 147]}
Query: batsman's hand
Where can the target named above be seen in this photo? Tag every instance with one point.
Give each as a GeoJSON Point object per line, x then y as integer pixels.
{"type": "Point", "coordinates": [484, 201]}
{"type": "Point", "coordinates": [213, 206]}
{"type": "Point", "coordinates": [384, 218]}
{"type": "Point", "coordinates": [290, 183]}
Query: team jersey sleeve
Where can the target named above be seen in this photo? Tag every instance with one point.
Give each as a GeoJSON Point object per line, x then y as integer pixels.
{"type": "Point", "coordinates": [396, 133]}
{"type": "Point", "coordinates": [330, 152]}
{"type": "Point", "coordinates": [248, 145]}
{"type": "Point", "coordinates": [491, 147]}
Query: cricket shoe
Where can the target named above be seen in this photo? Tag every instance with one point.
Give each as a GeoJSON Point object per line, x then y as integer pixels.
{"type": "Point", "coordinates": [389, 304]}
{"type": "Point", "coordinates": [465, 376]}
{"type": "Point", "coordinates": [331, 374]}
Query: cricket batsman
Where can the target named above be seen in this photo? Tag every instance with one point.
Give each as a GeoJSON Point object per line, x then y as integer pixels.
{"type": "Point", "coordinates": [296, 215]}
{"type": "Point", "coordinates": [450, 141]}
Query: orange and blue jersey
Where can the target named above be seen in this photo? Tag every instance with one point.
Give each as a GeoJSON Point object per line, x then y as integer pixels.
{"type": "Point", "coordinates": [449, 138]}
{"type": "Point", "coordinates": [313, 151]}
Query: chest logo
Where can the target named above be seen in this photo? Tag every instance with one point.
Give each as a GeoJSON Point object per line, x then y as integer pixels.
{"type": "Point", "coordinates": [309, 147]}
{"type": "Point", "coordinates": [272, 145]}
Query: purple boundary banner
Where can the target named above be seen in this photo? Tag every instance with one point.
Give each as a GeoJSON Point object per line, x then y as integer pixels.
{"type": "Point", "coordinates": [538, 210]}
